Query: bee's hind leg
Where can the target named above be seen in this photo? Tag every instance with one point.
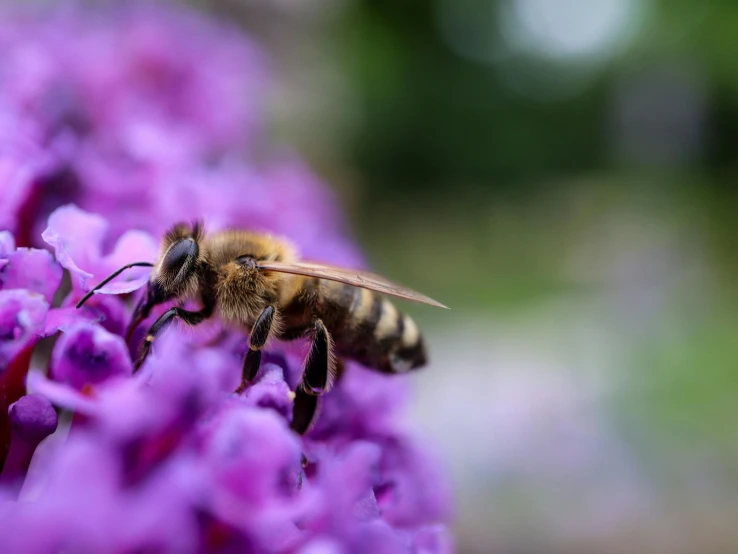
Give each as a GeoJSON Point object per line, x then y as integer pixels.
{"type": "Point", "coordinates": [258, 338]}
{"type": "Point", "coordinates": [321, 369]}
{"type": "Point", "coordinates": [303, 411]}
{"type": "Point", "coordinates": [303, 415]}
{"type": "Point", "coordinates": [306, 406]}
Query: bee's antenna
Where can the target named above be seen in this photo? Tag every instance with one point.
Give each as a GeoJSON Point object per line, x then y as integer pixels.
{"type": "Point", "coordinates": [109, 278]}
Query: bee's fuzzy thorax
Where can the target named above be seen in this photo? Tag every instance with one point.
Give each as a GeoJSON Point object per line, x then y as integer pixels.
{"type": "Point", "coordinates": [242, 290]}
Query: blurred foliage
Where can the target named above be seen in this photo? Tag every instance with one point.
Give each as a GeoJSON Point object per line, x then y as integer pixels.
{"type": "Point", "coordinates": [434, 120]}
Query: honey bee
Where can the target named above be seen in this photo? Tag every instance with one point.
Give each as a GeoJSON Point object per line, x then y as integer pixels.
{"type": "Point", "coordinates": [257, 283]}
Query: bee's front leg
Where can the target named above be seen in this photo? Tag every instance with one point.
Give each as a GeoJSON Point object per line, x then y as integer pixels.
{"type": "Point", "coordinates": [191, 318]}
{"type": "Point", "coordinates": [258, 338]}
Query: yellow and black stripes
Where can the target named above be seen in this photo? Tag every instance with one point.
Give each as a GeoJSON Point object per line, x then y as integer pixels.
{"type": "Point", "coordinates": [367, 327]}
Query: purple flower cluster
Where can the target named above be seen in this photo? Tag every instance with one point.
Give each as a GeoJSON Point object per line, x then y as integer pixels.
{"type": "Point", "coordinates": [114, 124]}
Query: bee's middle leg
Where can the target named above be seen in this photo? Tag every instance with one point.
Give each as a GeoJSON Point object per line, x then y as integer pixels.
{"type": "Point", "coordinates": [320, 366]}
{"type": "Point", "coordinates": [258, 338]}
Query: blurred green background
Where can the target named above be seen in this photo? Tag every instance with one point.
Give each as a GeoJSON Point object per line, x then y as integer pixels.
{"type": "Point", "coordinates": [562, 174]}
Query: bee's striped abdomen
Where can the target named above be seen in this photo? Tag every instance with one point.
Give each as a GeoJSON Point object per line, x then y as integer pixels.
{"type": "Point", "coordinates": [368, 328]}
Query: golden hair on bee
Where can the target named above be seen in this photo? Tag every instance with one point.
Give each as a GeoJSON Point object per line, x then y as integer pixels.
{"type": "Point", "coordinates": [257, 283]}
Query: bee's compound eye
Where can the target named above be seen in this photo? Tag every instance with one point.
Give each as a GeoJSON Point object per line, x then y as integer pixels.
{"type": "Point", "coordinates": [179, 253]}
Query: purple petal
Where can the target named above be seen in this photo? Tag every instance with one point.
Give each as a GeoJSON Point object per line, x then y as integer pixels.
{"type": "Point", "coordinates": [31, 269]}
{"type": "Point", "coordinates": [78, 507]}
{"type": "Point", "coordinates": [271, 391]}
{"type": "Point", "coordinates": [323, 545]}
{"type": "Point", "coordinates": [348, 481]}
{"type": "Point", "coordinates": [88, 354]}
{"type": "Point", "coordinates": [377, 536]}
{"type": "Point", "coordinates": [7, 245]}
{"type": "Point", "coordinates": [133, 246]}
{"type": "Point", "coordinates": [162, 510]}
{"type": "Point", "coordinates": [106, 310]}
{"type": "Point", "coordinates": [412, 490]}
{"type": "Point", "coordinates": [62, 319]}
{"type": "Point", "coordinates": [249, 451]}
{"type": "Point", "coordinates": [59, 394]}
{"type": "Point", "coordinates": [366, 404]}
{"type": "Point", "coordinates": [255, 463]}
{"type": "Point", "coordinates": [76, 237]}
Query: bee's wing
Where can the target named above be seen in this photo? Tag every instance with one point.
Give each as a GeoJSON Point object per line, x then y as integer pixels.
{"type": "Point", "coordinates": [353, 277]}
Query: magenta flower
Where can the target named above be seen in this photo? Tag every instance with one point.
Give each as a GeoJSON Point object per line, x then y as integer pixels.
{"type": "Point", "coordinates": [113, 126]}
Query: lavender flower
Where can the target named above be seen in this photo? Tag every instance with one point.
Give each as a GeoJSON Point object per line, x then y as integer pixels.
{"type": "Point", "coordinates": [122, 130]}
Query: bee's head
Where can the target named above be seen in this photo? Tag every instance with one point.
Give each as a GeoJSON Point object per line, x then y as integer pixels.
{"type": "Point", "coordinates": [175, 273]}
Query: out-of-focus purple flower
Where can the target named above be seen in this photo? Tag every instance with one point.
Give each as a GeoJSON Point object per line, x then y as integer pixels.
{"type": "Point", "coordinates": [28, 268]}
{"type": "Point", "coordinates": [101, 119]}
{"type": "Point", "coordinates": [22, 319]}
{"type": "Point", "coordinates": [144, 71]}
{"type": "Point", "coordinates": [87, 354]}
{"type": "Point", "coordinates": [271, 391]}
{"type": "Point", "coordinates": [133, 118]}
{"type": "Point", "coordinates": [32, 419]}
{"type": "Point", "coordinates": [22, 163]}
{"type": "Point", "coordinates": [77, 238]}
